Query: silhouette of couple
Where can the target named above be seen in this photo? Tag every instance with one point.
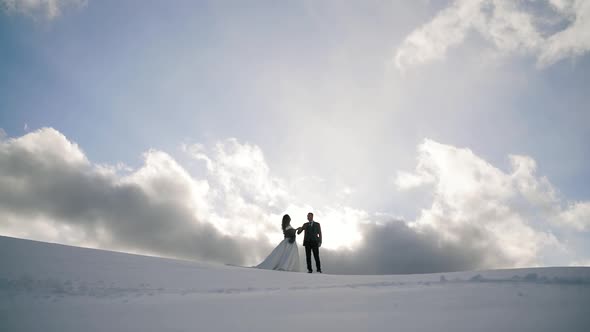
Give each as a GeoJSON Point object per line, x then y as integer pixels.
{"type": "Point", "coordinates": [285, 256]}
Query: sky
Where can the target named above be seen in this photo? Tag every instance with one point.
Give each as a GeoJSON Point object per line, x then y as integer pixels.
{"type": "Point", "coordinates": [426, 136]}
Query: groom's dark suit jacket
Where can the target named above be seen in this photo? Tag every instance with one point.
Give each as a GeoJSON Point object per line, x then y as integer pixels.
{"type": "Point", "coordinates": [313, 234]}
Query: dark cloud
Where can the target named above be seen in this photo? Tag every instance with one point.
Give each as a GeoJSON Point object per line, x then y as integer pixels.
{"type": "Point", "coordinates": [37, 185]}
{"type": "Point", "coordinates": [395, 248]}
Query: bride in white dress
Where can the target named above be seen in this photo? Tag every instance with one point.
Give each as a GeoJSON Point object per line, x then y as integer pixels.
{"type": "Point", "coordinates": [285, 257]}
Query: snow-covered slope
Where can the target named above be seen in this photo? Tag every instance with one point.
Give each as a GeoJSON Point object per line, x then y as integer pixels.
{"type": "Point", "coordinates": [49, 287]}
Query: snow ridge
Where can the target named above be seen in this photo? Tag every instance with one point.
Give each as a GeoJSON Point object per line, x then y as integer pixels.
{"type": "Point", "coordinates": [49, 287]}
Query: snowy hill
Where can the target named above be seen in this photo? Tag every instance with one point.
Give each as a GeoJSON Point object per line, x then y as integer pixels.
{"type": "Point", "coordinates": [49, 287]}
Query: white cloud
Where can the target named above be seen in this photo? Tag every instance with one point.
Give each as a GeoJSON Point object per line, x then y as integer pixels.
{"type": "Point", "coordinates": [48, 9]}
{"type": "Point", "coordinates": [572, 41]}
{"type": "Point", "coordinates": [197, 152]}
{"type": "Point", "coordinates": [48, 146]}
{"type": "Point", "coordinates": [512, 27]}
{"type": "Point", "coordinates": [405, 180]}
{"type": "Point", "coordinates": [475, 202]}
{"type": "Point", "coordinates": [576, 215]}
{"type": "Point", "coordinates": [536, 190]}
{"type": "Point", "coordinates": [431, 41]}
{"type": "Point", "coordinates": [245, 198]}
{"type": "Point", "coordinates": [164, 180]}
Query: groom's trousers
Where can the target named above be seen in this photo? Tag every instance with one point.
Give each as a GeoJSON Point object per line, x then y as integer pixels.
{"type": "Point", "coordinates": [316, 256]}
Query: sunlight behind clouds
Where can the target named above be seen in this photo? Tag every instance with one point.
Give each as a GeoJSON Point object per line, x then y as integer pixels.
{"type": "Point", "coordinates": [480, 216]}
{"type": "Point", "coordinates": [188, 130]}
{"type": "Point", "coordinates": [249, 201]}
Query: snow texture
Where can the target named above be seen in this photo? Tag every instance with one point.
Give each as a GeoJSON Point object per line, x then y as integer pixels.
{"type": "Point", "coordinates": [50, 287]}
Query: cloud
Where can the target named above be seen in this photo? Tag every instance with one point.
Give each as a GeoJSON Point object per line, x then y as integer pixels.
{"type": "Point", "coordinates": [576, 215]}
{"type": "Point", "coordinates": [472, 206]}
{"type": "Point", "coordinates": [48, 9]}
{"type": "Point", "coordinates": [50, 191]}
{"type": "Point", "coordinates": [392, 247]}
{"type": "Point", "coordinates": [572, 41]}
{"type": "Point", "coordinates": [244, 197]}
{"type": "Point", "coordinates": [551, 30]}
{"type": "Point", "coordinates": [480, 217]}
{"type": "Point", "coordinates": [506, 212]}
{"type": "Point", "coordinates": [431, 41]}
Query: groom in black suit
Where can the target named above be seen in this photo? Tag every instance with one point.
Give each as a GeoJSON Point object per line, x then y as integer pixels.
{"type": "Point", "coordinates": [312, 241]}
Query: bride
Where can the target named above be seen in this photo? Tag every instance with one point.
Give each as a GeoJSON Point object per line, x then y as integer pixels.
{"type": "Point", "coordinates": [285, 257]}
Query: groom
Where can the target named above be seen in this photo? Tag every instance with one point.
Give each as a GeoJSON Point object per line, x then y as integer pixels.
{"type": "Point", "coordinates": [312, 241]}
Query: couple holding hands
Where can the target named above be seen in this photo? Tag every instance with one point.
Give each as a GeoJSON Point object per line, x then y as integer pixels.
{"type": "Point", "coordinates": [285, 256]}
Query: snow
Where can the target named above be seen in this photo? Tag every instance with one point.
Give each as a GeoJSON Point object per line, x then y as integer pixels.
{"type": "Point", "coordinates": [50, 287]}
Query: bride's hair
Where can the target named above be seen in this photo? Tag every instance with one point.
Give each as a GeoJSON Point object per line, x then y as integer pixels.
{"type": "Point", "coordinates": [286, 221]}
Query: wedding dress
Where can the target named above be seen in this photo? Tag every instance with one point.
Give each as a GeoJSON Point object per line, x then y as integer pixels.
{"type": "Point", "coordinates": [285, 257]}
